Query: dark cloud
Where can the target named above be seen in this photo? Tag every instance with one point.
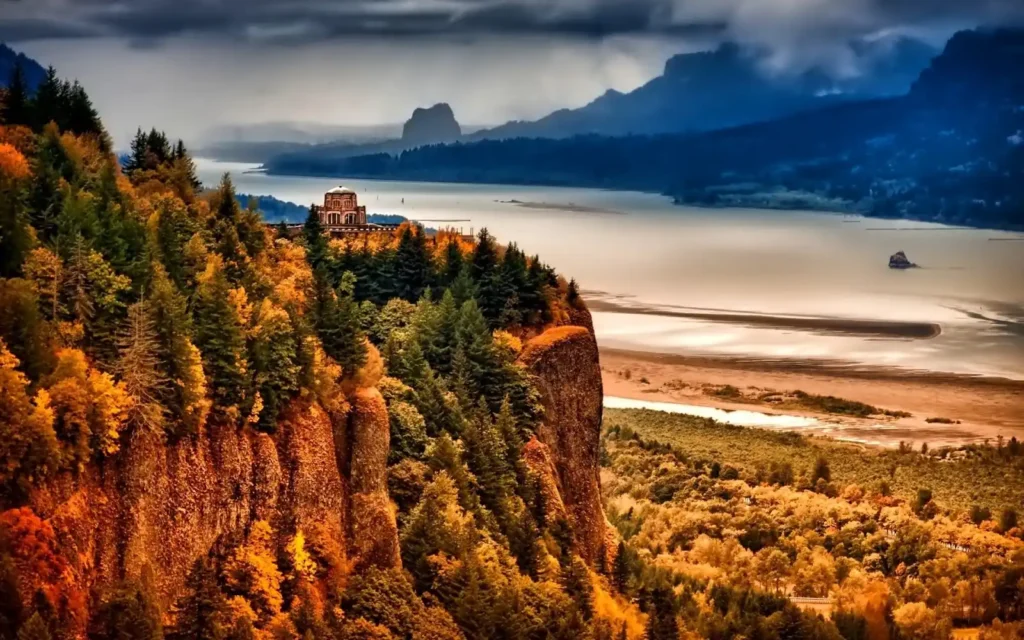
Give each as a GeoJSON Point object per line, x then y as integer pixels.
{"type": "Point", "coordinates": [311, 20]}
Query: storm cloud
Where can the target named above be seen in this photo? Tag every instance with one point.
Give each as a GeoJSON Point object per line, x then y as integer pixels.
{"type": "Point", "coordinates": [367, 62]}
{"type": "Point", "coordinates": [290, 21]}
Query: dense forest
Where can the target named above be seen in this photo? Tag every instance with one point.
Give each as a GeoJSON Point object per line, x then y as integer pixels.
{"type": "Point", "coordinates": [949, 151]}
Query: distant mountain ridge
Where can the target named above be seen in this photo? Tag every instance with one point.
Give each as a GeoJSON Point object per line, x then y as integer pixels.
{"type": "Point", "coordinates": [950, 150]}
{"type": "Point", "coordinates": [727, 87]}
{"type": "Point", "coordinates": [9, 59]}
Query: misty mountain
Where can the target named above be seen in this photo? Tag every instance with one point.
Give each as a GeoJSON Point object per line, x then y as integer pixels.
{"type": "Point", "coordinates": [950, 150]}
{"type": "Point", "coordinates": [431, 126]}
{"type": "Point", "coordinates": [9, 59]}
{"type": "Point", "coordinates": [728, 87]}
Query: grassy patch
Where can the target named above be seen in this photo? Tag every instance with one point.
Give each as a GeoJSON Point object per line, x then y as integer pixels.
{"type": "Point", "coordinates": [984, 476]}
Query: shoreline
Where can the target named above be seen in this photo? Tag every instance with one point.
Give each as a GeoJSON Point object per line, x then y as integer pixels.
{"type": "Point", "coordinates": [979, 408]}
{"type": "Point", "coordinates": [672, 198]}
{"type": "Point", "coordinates": [814, 324]}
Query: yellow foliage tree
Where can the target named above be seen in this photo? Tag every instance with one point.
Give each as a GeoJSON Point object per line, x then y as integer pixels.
{"type": "Point", "coordinates": [252, 573]}
{"type": "Point", "coordinates": [28, 444]}
{"type": "Point", "coordinates": [89, 408]}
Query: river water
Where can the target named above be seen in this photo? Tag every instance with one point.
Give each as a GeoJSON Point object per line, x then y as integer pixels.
{"type": "Point", "coordinates": [736, 282]}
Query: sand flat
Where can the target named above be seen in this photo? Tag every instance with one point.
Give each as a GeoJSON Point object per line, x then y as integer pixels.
{"type": "Point", "coordinates": [985, 407]}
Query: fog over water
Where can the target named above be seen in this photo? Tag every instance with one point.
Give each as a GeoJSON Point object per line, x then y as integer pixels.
{"type": "Point", "coordinates": [636, 255]}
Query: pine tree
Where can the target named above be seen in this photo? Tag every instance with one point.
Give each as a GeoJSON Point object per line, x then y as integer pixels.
{"type": "Point", "coordinates": [463, 288]}
{"type": "Point", "coordinates": [337, 322]}
{"type": "Point", "coordinates": [482, 369]}
{"type": "Point", "coordinates": [492, 292]}
{"type": "Point", "coordinates": [274, 362]}
{"type": "Point", "coordinates": [16, 107]}
{"type": "Point", "coordinates": [487, 459]}
{"type": "Point", "coordinates": [444, 341]}
{"type": "Point", "coordinates": [46, 105]}
{"type": "Point", "coordinates": [137, 155]}
{"type": "Point", "coordinates": [219, 336]}
{"type": "Point", "coordinates": [201, 612]}
{"type": "Point", "coordinates": [620, 570]}
{"type": "Point", "coordinates": [505, 423]}
{"type": "Point", "coordinates": [413, 266]}
{"type": "Point", "coordinates": [576, 582]}
{"type": "Point", "coordinates": [81, 116]}
{"type": "Point", "coordinates": [316, 242]}
{"type": "Point", "coordinates": [128, 612]}
{"type": "Point", "coordinates": [661, 622]}
{"type": "Point", "coordinates": [140, 371]}
{"type": "Point", "coordinates": [453, 263]}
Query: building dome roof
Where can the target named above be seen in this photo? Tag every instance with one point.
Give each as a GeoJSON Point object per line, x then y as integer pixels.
{"type": "Point", "coordinates": [341, 189]}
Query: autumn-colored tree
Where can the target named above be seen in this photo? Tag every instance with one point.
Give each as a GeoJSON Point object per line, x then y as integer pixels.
{"type": "Point", "coordinates": [90, 408]}
{"type": "Point", "coordinates": [252, 572]}
{"type": "Point", "coordinates": [139, 369]}
{"type": "Point", "coordinates": [28, 443]}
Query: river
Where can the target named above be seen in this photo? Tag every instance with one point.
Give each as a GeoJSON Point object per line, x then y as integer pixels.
{"type": "Point", "coordinates": [736, 282]}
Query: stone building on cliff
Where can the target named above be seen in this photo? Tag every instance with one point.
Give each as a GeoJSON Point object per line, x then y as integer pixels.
{"type": "Point", "coordinates": [341, 208]}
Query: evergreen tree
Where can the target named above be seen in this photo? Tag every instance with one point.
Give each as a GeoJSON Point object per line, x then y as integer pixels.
{"type": "Point", "coordinates": [46, 105]}
{"type": "Point", "coordinates": [621, 570]}
{"type": "Point", "coordinates": [16, 107]}
{"type": "Point", "coordinates": [453, 263]}
{"type": "Point", "coordinates": [492, 292]}
{"type": "Point", "coordinates": [337, 322]}
{"type": "Point", "coordinates": [661, 622]}
{"type": "Point", "coordinates": [81, 117]}
{"type": "Point", "coordinates": [413, 269]}
{"type": "Point", "coordinates": [486, 457]}
{"type": "Point", "coordinates": [129, 612]}
{"type": "Point", "coordinates": [201, 612]}
{"type": "Point", "coordinates": [219, 336]}
{"type": "Point", "coordinates": [316, 242]}
{"type": "Point", "coordinates": [444, 340]}
{"type": "Point", "coordinates": [274, 363]}
{"type": "Point", "coordinates": [482, 370]}
{"type": "Point", "coordinates": [463, 288]}
{"type": "Point", "coordinates": [576, 582]}
{"type": "Point", "coordinates": [183, 160]}
{"type": "Point", "coordinates": [136, 160]}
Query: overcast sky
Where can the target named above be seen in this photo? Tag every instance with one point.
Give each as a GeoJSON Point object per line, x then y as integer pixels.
{"type": "Point", "coordinates": [188, 65]}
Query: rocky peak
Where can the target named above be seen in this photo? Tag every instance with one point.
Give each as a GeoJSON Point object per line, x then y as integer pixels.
{"type": "Point", "coordinates": [431, 126]}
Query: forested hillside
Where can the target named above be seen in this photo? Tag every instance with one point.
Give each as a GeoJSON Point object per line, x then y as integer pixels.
{"type": "Point", "coordinates": [168, 367]}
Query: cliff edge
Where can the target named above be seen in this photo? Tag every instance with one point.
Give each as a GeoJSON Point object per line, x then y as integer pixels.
{"type": "Point", "coordinates": [566, 450]}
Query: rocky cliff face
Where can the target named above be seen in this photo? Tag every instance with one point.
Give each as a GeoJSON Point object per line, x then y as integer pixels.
{"type": "Point", "coordinates": [566, 450]}
{"type": "Point", "coordinates": [166, 506]}
{"type": "Point", "coordinates": [157, 508]}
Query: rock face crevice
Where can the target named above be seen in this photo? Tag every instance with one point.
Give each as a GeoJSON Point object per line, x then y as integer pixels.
{"type": "Point", "coordinates": [565, 364]}
{"type": "Point", "coordinates": [165, 506]}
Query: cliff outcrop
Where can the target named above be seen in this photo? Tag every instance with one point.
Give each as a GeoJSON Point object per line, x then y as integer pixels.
{"type": "Point", "coordinates": [165, 506]}
{"type": "Point", "coordinates": [565, 453]}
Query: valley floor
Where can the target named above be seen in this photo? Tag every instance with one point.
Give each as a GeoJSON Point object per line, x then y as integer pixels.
{"type": "Point", "coordinates": [977, 409]}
